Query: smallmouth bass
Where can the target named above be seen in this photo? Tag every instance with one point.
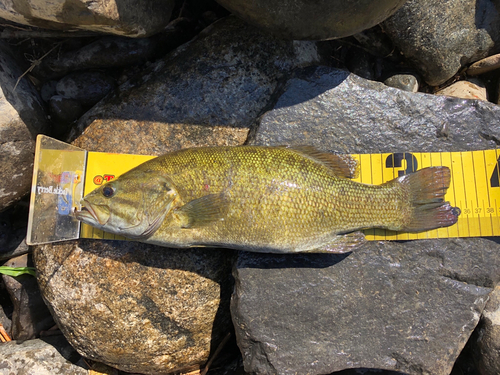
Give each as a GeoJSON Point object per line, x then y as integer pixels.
{"type": "Point", "coordinates": [263, 199]}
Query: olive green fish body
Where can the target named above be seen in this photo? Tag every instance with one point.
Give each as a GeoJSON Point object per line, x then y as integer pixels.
{"type": "Point", "coordinates": [270, 199]}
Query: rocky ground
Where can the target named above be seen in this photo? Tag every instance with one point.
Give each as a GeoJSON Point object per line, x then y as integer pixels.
{"type": "Point", "coordinates": [425, 79]}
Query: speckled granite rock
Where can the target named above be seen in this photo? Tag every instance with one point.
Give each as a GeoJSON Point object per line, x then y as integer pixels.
{"type": "Point", "coordinates": [441, 37]}
{"type": "Point", "coordinates": [137, 307]}
{"type": "Point", "coordinates": [313, 20]}
{"type": "Point", "coordinates": [22, 117]}
{"type": "Point", "coordinates": [218, 83]}
{"type": "Point", "coordinates": [401, 306]}
{"type": "Point", "coordinates": [155, 138]}
{"type": "Point", "coordinates": [50, 356]}
{"type": "Point", "coordinates": [128, 18]}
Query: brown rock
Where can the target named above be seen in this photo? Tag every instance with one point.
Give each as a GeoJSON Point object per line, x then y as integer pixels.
{"type": "Point", "coordinates": [129, 17]}
{"type": "Point", "coordinates": [485, 65]}
{"type": "Point", "coordinates": [471, 89]}
{"type": "Point", "coordinates": [137, 307]}
{"type": "Point", "coordinates": [155, 138]}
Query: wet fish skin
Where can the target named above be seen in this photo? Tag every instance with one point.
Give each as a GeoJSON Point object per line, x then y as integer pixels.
{"type": "Point", "coordinates": [265, 199]}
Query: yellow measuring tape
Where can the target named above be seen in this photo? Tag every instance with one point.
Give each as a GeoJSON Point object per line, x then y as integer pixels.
{"type": "Point", "coordinates": [474, 188]}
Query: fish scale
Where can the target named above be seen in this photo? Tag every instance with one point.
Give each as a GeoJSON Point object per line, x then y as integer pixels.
{"type": "Point", "coordinates": [271, 199]}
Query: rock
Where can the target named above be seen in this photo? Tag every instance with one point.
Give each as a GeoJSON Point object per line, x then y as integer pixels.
{"type": "Point", "coordinates": [469, 89]}
{"type": "Point", "coordinates": [403, 81]}
{"type": "Point", "coordinates": [48, 90]}
{"type": "Point", "coordinates": [13, 228]}
{"type": "Point", "coordinates": [23, 117]}
{"type": "Point", "coordinates": [361, 63]}
{"type": "Point", "coordinates": [86, 87]}
{"type": "Point", "coordinates": [49, 356]}
{"type": "Point", "coordinates": [375, 41]}
{"type": "Point", "coordinates": [484, 66]}
{"type": "Point", "coordinates": [30, 315]}
{"type": "Point", "coordinates": [210, 90]}
{"type": "Point", "coordinates": [441, 37]}
{"type": "Point", "coordinates": [362, 116]}
{"type": "Point", "coordinates": [64, 111]}
{"type": "Point", "coordinates": [400, 306]}
{"type": "Point", "coordinates": [108, 52]}
{"type": "Point", "coordinates": [316, 20]}
{"type": "Point", "coordinates": [407, 307]}
{"type": "Point", "coordinates": [6, 308]}
{"type": "Point", "coordinates": [136, 307]}
{"type": "Point", "coordinates": [487, 343]}
{"type": "Point", "coordinates": [130, 18]}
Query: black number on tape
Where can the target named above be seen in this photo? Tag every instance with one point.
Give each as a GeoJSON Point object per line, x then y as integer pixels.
{"type": "Point", "coordinates": [494, 177]}
{"type": "Point", "coordinates": [395, 161]}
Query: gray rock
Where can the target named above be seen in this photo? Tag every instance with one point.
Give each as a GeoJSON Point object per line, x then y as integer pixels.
{"type": "Point", "coordinates": [48, 90]}
{"type": "Point", "coordinates": [108, 52]}
{"type": "Point", "coordinates": [211, 88]}
{"type": "Point", "coordinates": [376, 41]}
{"type": "Point", "coordinates": [86, 87]}
{"type": "Point", "coordinates": [360, 63]}
{"type": "Point", "coordinates": [408, 307]}
{"type": "Point", "coordinates": [6, 308]}
{"type": "Point", "coordinates": [313, 20]}
{"type": "Point", "coordinates": [400, 306]}
{"type": "Point", "coordinates": [137, 307]}
{"type": "Point", "coordinates": [487, 341]}
{"type": "Point", "coordinates": [22, 118]}
{"type": "Point", "coordinates": [30, 315]}
{"type": "Point", "coordinates": [50, 356]}
{"type": "Point", "coordinates": [64, 111]}
{"type": "Point", "coordinates": [441, 37]}
{"type": "Point", "coordinates": [128, 18]}
{"type": "Point", "coordinates": [13, 228]}
{"type": "Point", "coordinates": [355, 115]}
{"type": "Point", "coordinates": [403, 81]}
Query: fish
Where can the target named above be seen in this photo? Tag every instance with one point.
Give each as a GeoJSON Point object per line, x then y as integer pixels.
{"type": "Point", "coordinates": [273, 199]}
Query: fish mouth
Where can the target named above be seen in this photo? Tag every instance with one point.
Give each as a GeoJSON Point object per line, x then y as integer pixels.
{"type": "Point", "coordinates": [88, 214]}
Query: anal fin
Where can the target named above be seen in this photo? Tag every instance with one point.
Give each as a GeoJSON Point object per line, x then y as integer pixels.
{"type": "Point", "coordinates": [342, 243]}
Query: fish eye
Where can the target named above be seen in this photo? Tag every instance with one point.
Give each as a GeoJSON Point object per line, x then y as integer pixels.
{"type": "Point", "coordinates": [108, 191]}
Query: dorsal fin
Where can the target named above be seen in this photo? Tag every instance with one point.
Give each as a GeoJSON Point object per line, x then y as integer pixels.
{"type": "Point", "coordinates": [342, 165]}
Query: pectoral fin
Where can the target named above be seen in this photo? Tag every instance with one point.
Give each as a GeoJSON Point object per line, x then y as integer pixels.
{"type": "Point", "coordinates": [203, 211]}
{"type": "Point", "coordinates": [343, 243]}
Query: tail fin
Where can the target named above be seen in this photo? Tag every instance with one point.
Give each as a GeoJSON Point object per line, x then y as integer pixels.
{"type": "Point", "coordinates": [426, 189]}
